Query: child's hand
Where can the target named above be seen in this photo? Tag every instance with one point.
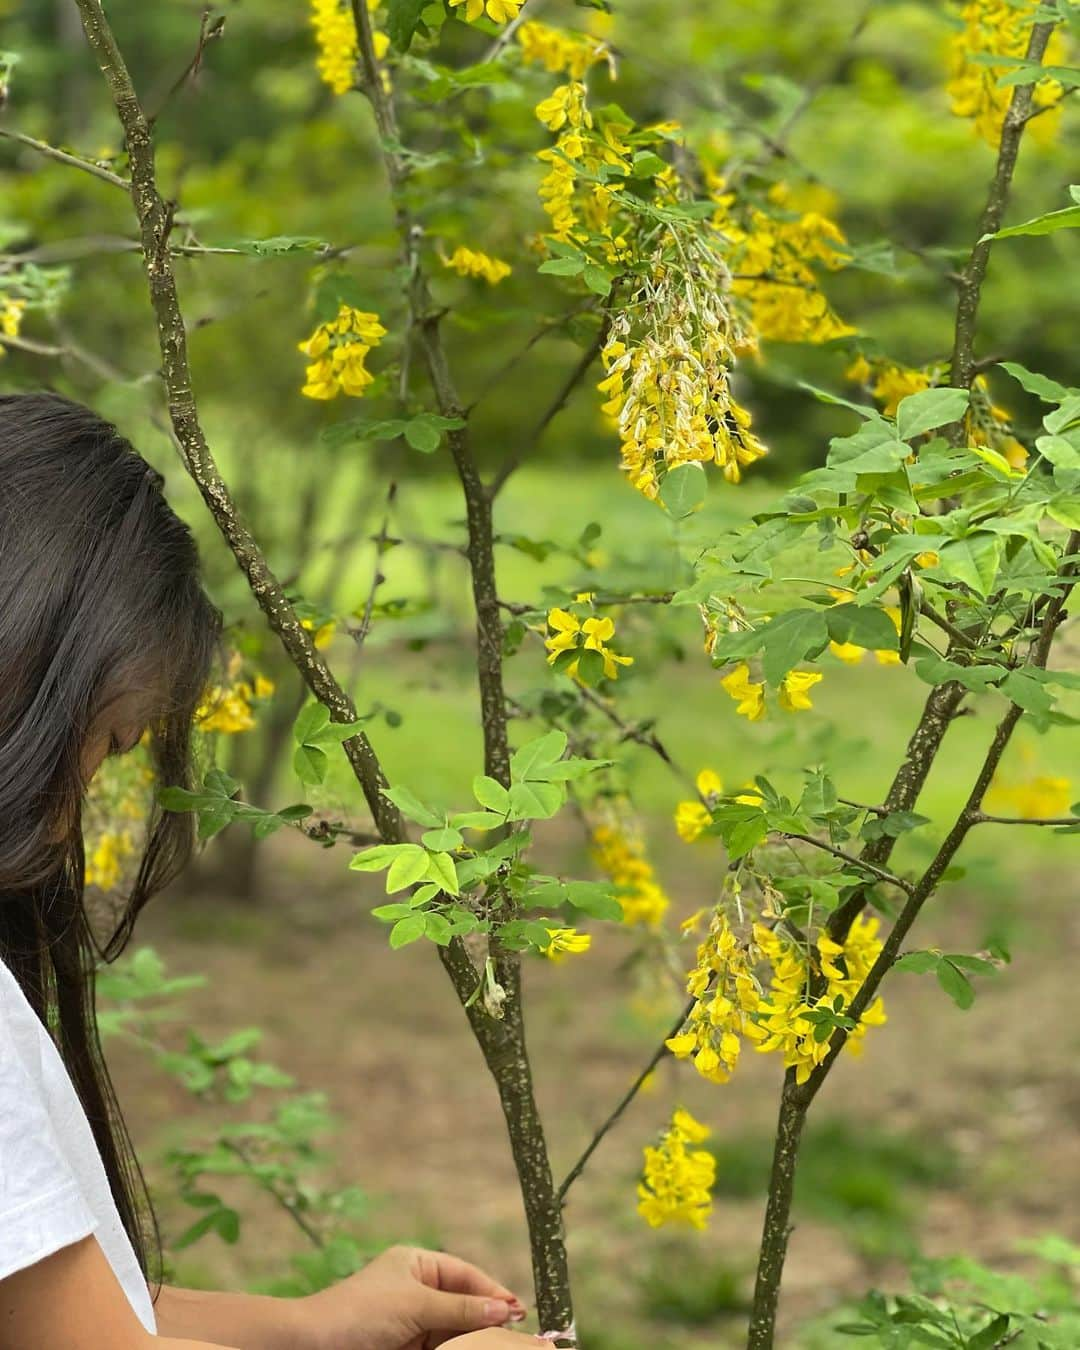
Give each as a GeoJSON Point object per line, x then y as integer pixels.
{"type": "Point", "coordinates": [410, 1299]}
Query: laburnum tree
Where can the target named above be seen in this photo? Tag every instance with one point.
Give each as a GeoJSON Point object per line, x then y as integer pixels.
{"type": "Point", "coordinates": [939, 533]}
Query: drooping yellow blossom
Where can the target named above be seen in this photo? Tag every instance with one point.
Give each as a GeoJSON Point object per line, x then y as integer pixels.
{"type": "Point", "coordinates": [726, 993]}
{"type": "Point", "coordinates": [889, 382]}
{"type": "Point", "coordinates": [781, 1023]}
{"type": "Point", "coordinates": [228, 708]}
{"type": "Point", "coordinates": [693, 818]}
{"type": "Point", "coordinates": [499, 11]}
{"type": "Point", "coordinates": [335, 36]}
{"type": "Point", "coordinates": [619, 852]}
{"type": "Point", "coordinates": [991, 426]}
{"type": "Point", "coordinates": [676, 1186]}
{"type": "Point", "coordinates": [11, 317]}
{"type": "Point", "coordinates": [322, 634]}
{"type": "Point", "coordinates": [560, 52]}
{"type": "Point", "coordinates": [773, 255]}
{"type": "Point", "coordinates": [852, 654]}
{"type": "Point", "coordinates": [795, 689]}
{"type": "Point", "coordinates": [1036, 797]}
{"type": "Point", "coordinates": [564, 940]}
{"type": "Point", "coordinates": [338, 350]}
{"type": "Point", "coordinates": [105, 864]}
{"type": "Point", "coordinates": [467, 262]}
{"type": "Point", "coordinates": [998, 28]}
{"type": "Point", "coordinates": [749, 697]}
{"type": "Point", "coordinates": [569, 633]}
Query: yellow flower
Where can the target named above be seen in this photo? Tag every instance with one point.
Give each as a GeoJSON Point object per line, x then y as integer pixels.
{"type": "Point", "coordinates": [886, 656]}
{"type": "Point", "coordinates": [322, 635]}
{"type": "Point", "coordinates": [264, 688]}
{"type": "Point", "coordinates": [467, 262]}
{"type": "Point", "coordinates": [563, 940]}
{"type": "Point", "coordinates": [620, 853]}
{"type": "Point", "coordinates": [795, 687]}
{"type": "Point", "coordinates": [709, 783]}
{"type": "Point", "coordinates": [11, 317]}
{"type": "Point", "coordinates": [1036, 797]}
{"type": "Point", "coordinates": [847, 651]}
{"type": "Point", "coordinates": [692, 820]}
{"type": "Point", "coordinates": [500, 11]}
{"type": "Point", "coordinates": [570, 634]}
{"type": "Point", "coordinates": [749, 697]}
{"type": "Point", "coordinates": [105, 864]}
{"type": "Point", "coordinates": [676, 1186]}
{"type": "Point", "coordinates": [338, 350]}
{"type": "Point", "coordinates": [560, 52]}
{"type": "Point", "coordinates": [335, 36]}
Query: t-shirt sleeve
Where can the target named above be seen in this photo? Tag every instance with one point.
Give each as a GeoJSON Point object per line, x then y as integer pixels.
{"type": "Point", "coordinates": [41, 1205]}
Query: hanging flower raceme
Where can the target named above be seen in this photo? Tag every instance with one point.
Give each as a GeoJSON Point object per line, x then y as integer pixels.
{"type": "Point", "coordinates": [338, 350]}
{"type": "Point", "coordinates": [499, 11]}
{"type": "Point", "coordinates": [667, 385]}
{"type": "Point", "coordinates": [1037, 796]}
{"type": "Point", "coordinates": [105, 864]}
{"type": "Point", "coordinates": [773, 253]}
{"type": "Point", "coordinates": [999, 28]}
{"type": "Point", "coordinates": [619, 852]}
{"type": "Point", "coordinates": [567, 633]}
{"type": "Point", "coordinates": [732, 1004]}
{"type": "Point", "coordinates": [230, 707]}
{"type": "Point", "coordinates": [888, 382]}
{"type": "Point", "coordinates": [676, 1186]}
{"type": "Point", "coordinates": [693, 818]}
{"type": "Point", "coordinates": [468, 262]}
{"type": "Point", "coordinates": [560, 52]}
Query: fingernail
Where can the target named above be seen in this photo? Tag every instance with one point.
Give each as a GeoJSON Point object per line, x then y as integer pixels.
{"type": "Point", "coordinates": [518, 1314]}
{"type": "Point", "coordinates": [496, 1311]}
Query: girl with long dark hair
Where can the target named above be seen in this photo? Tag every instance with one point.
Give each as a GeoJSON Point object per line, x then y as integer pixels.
{"type": "Point", "coordinates": [106, 633]}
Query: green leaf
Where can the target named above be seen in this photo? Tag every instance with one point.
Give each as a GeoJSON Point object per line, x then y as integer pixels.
{"type": "Point", "coordinates": [1039, 385]}
{"type": "Point", "coordinates": [921, 963]}
{"type": "Point", "coordinates": [598, 279]}
{"type": "Point", "coordinates": [745, 835]}
{"type": "Point", "coordinates": [1027, 692]}
{"type": "Point", "coordinates": [310, 764]}
{"type": "Point", "coordinates": [535, 801]}
{"type": "Point", "coordinates": [956, 984]}
{"type": "Point", "coordinates": [928, 410]}
{"type": "Point", "coordinates": [437, 928]}
{"type": "Point", "coordinates": [789, 639]}
{"type": "Point", "coordinates": [594, 898]}
{"type": "Point", "coordinates": [276, 246]}
{"type": "Point", "coordinates": [422, 436]}
{"type": "Point", "coordinates": [336, 732]}
{"type": "Point", "coordinates": [1068, 218]}
{"type": "Point", "coordinates": [374, 859]}
{"type": "Point", "coordinates": [973, 560]}
{"type": "Point", "coordinates": [312, 720]}
{"type": "Point", "coordinates": [562, 267]}
{"type": "Point", "coordinates": [443, 840]}
{"type": "Point", "coordinates": [391, 913]}
{"type": "Point", "coordinates": [478, 820]}
{"type": "Point", "coordinates": [683, 490]}
{"type": "Point", "coordinates": [409, 866]}
{"type": "Point", "coordinates": [537, 755]}
{"type": "Point", "coordinates": [408, 930]}
{"type": "Point", "coordinates": [441, 870]}
{"type": "Point", "coordinates": [1059, 450]}
{"type": "Point", "coordinates": [490, 793]}
{"type": "Point", "coordinates": [402, 18]}
{"type": "Point", "coordinates": [410, 806]}
{"type": "Point", "coordinates": [864, 625]}
{"type": "Point", "coordinates": [1065, 416]}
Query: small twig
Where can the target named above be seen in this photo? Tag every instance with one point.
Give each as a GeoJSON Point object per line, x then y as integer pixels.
{"type": "Point", "coordinates": [208, 32]}
{"type": "Point", "coordinates": [359, 635]}
{"type": "Point", "coordinates": [628, 1097]}
{"type": "Point", "coordinates": [981, 818]}
{"type": "Point", "coordinates": [63, 157]}
{"type": "Point", "coordinates": [312, 1234]}
{"type": "Point", "coordinates": [548, 327]}
{"type": "Point", "coordinates": [851, 859]}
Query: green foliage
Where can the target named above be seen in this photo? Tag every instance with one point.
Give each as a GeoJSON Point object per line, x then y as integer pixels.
{"type": "Point", "coordinates": [216, 805]}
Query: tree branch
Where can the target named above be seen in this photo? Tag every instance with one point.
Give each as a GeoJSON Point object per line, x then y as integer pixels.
{"type": "Point", "coordinates": [64, 157]}
{"type": "Point", "coordinates": [851, 859]}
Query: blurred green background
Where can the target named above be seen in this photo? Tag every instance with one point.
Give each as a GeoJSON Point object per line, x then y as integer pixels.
{"type": "Point", "coordinates": [941, 1139]}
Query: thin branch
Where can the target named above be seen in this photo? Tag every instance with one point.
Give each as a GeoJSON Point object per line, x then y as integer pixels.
{"type": "Point", "coordinates": [982, 819]}
{"type": "Point", "coordinates": [852, 860]}
{"type": "Point", "coordinates": [359, 635]}
{"type": "Point", "coordinates": [616, 1115]}
{"type": "Point", "coordinates": [63, 157]}
{"type": "Point", "coordinates": [289, 1206]}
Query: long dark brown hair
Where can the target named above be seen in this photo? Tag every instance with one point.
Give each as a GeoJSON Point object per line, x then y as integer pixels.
{"type": "Point", "coordinates": [99, 594]}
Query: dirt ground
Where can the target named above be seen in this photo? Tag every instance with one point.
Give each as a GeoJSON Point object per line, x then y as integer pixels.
{"type": "Point", "coordinates": [381, 1033]}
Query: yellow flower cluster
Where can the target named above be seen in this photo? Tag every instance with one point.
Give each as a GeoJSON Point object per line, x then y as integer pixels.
{"type": "Point", "coordinates": [499, 11]}
{"type": "Point", "coordinates": [620, 853]}
{"type": "Point", "coordinates": [677, 1183]}
{"type": "Point", "coordinates": [749, 695]}
{"type": "Point", "coordinates": [563, 941]}
{"type": "Point", "coordinates": [730, 1003]}
{"type": "Point", "coordinates": [338, 350]}
{"type": "Point", "coordinates": [781, 1023]}
{"type": "Point", "coordinates": [773, 255]}
{"type": "Point", "coordinates": [335, 37]}
{"type": "Point", "coordinates": [560, 52]}
{"type": "Point", "coordinates": [692, 818]}
{"type": "Point", "coordinates": [1037, 797]}
{"type": "Point", "coordinates": [998, 28]}
{"type": "Point", "coordinates": [105, 864]}
{"type": "Point", "coordinates": [322, 634]}
{"type": "Point", "coordinates": [11, 317]}
{"type": "Point", "coordinates": [228, 708]}
{"type": "Point", "coordinates": [468, 262]}
{"type": "Point", "coordinates": [990, 426]}
{"type": "Point", "coordinates": [726, 994]}
{"type": "Point", "coordinates": [667, 383]}
{"type": "Point", "coordinates": [888, 382]}
{"type": "Point", "coordinates": [569, 633]}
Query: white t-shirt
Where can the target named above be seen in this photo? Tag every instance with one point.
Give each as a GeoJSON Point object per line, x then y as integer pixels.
{"type": "Point", "coordinates": [53, 1187]}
